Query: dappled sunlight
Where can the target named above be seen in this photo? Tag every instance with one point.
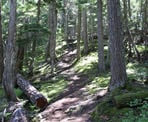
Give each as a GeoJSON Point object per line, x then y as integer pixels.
{"type": "Point", "coordinates": [87, 63]}
{"type": "Point", "coordinates": [52, 89]}
{"type": "Point", "coordinates": [88, 60]}
{"type": "Point", "coordinates": [141, 48]}
{"type": "Point", "coordinates": [45, 69]}
{"type": "Point", "coordinates": [61, 64]}
{"type": "Point", "coordinates": [130, 71]}
{"type": "Point", "coordinates": [98, 83]}
{"type": "Point", "coordinates": [75, 77]}
{"type": "Point", "coordinates": [137, 71]}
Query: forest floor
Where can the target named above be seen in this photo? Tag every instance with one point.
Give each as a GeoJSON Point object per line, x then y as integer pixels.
{"type": "Point", "coordinates": [76, 93]}
{"type": "Point", "coordinates": [75, 103]}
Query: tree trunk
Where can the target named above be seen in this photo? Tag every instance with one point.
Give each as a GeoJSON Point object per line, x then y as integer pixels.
{"type": "Point", "coordinates": [129, 9]}
{"type": "Point", "coordinates": [91, 25]}
{"type": "Point", "coordinates": [9, 75]}
{"type": "Point", "coordinates": [20, 58]}
{"type": "Point", "coordinates": [79, 32]}
{"type": "Point", "coordinates": [101, 62]}
{"type": "Point", "coordinates": [145, 23]}
{"type": "Point", "coordinates": [53, 26]}
{"type": "Point", "coordinates": [32, 93]}
{"type": "Point", "coordinates": [84, 30]}
{"type": "Point", "coordinates": [38, 11]}
{"type": "Point", "coordinates": [31, 65]}
{"type": "Point", "coordinates": [1, 48]}
{"type": "Point", "coordinates": [118, 70]}
{"type": "Point", "coordinates": [47, 53]}
{"type": "Point", "coordinates": [66, 23]}
{"type": "Point", "coordinates": [34, 41]}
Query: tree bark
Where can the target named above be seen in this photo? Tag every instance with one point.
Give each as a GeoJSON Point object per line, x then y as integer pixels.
{"type": "Point", "coordinates": [91, 25]}
{"type": "Point", "coordinates": [34, 43]}
{"type": "Point", "coordinates": [101, 62]}
{"type": "Point", "coordinates": [1, 48]}
{"type": "Point", "coordinates": [84, 30]}
{"type": "Point", "coordinates": [118, 70]}
{"type": "Point", "coordinates": [79, 32]}
{"type": "Point", "coordinates": [20, 58]}
{"type": "Point", "coordinates": [53, 26]}
{"type": "Point", "coordinates": [66, 23]}
{"type": "Point", "coordinates": [31, 65]}
{"type": "Point", "coordinates": [38, 11]}
{"type": "Point", "coordinates": [9, 75]}
{"type": "Point", "coordinates": [47, 53]}
{"type": "Point", "coordinates": [32, 93]}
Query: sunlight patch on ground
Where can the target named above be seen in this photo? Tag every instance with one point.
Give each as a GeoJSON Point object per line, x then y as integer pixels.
{"type": "Point", "coordinates": [98, 83]}
{"type": "Point", "coordinates": [86, 63]}
{"type": "Point", "coordinates": [137, 71]}
{"type": "Point", "coordinates": [51, 90]}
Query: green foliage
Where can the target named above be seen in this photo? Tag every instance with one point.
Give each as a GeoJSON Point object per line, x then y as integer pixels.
{"type": "Point", "coordinates": [2, 93]}
{"type": "Point", "coordinates": [7, 115]}
{"type": "Point", "coordinates": [123, 100]}
{"type": "Point", "coordinates": [18, 92]}
{"type": "Point", "coordinates": [137, 72]}
{"type": "Point", "coordinates": [88, 65]}
{"type": "Point", "coordinates": [140, 114]}
{"type": "Point", "coordinates": [106, 111]}
{"type": "Point", "coordinates": [53, 87]}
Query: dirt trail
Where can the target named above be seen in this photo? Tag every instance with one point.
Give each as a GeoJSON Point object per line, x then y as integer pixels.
{"type": "Point", "coordinates": [75, 103]}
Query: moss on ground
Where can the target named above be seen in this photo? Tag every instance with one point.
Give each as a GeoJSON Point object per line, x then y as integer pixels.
{"type": "Point", "coordinates": [107, 111]}
{"type": "Point", "coordinates": [52, 88]}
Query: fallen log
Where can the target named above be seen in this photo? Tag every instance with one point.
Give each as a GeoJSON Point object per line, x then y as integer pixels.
{"type": "Point", "coordinates": [32, 93]}
{"type": "Point", "coordinates": [125, 99]}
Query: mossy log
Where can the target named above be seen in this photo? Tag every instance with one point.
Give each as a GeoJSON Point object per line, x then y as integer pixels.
{"type": "Point", "coordinates": [32, 93]}
{"type": "Point", "coordinates": [125, 99]}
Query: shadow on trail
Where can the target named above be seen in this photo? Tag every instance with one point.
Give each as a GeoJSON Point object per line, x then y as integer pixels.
{"type": "Point", "coordinates": [76, 82]}
{"type": "Point", "coordinates": [66, 61]}
{"type": "Point", "coordinates": [75, 103]}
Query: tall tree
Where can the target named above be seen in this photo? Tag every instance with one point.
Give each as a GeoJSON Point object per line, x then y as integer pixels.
{"type": "Point", "coordinates": [84, 30]}
{"type": "Point", "coordinates": [1, 48]}
{"type": "Point", "coordinates": [79, 32]}
{"type": "Point", "coordinates": [101, 62]}
{"type": "Point", "coordinates": [9, 75]}
{"type": "Point", "coordinates": [53, 28]}
{"type": "Point", "coordinates": [66, 21]}
{"type": "Point", "coordinates": [34, 43]}
{"type": "Point", "coordinates": [118, 70]}
{"type": "Point", "coordinates": [20, 57]}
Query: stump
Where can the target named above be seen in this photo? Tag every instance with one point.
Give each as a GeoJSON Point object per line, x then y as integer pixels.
{"type": "Point", "coordinates": [31, 92]}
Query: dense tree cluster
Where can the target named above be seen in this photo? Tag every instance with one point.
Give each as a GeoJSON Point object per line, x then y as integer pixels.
{"type": "Point", "coordinates": [29, 25]}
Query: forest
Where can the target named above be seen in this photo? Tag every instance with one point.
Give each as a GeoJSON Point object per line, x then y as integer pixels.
{"type": "Point", "coordinates": [74, 60]}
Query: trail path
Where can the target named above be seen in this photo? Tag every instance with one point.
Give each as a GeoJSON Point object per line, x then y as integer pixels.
{"type": "Point", "coordinates": [75, 103]}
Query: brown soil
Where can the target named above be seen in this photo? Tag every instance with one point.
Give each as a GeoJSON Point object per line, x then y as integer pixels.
{"type": "Point", "coordinates": [75, 103]}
